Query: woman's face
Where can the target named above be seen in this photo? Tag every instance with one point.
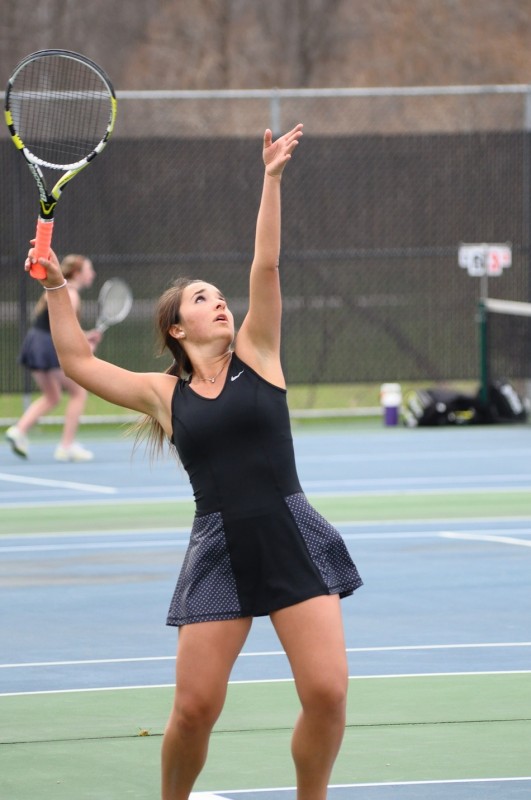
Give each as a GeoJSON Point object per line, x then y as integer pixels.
{"type": "Point", "coordinates": [204, 315]}
{"type": "Point", "coordinates": [86, 274]}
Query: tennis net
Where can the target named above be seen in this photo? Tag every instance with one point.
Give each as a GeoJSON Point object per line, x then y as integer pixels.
{"type": "Point", "coordinates": [505, 344]}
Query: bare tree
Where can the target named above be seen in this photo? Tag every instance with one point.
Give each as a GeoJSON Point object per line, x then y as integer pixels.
{"type": "Point", "coordinates": [287, 43]}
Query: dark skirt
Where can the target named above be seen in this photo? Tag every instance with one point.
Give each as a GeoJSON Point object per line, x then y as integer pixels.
{"type": "Point", "coordinates": [38, 352]}
{"type": "Point", "coordinates": [253, 566]}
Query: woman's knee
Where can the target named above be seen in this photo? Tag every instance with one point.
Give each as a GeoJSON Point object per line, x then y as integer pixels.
{"type": "Point", "coordinates": [326, 696]}
{"type": "Point", "coordinates": [75, 391]}
{"type": "Point", "coordinates": [193, 712]}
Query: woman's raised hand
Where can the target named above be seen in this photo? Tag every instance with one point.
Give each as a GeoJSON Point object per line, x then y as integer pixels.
{"type": "Point", "coordinates": [277, 154]}
{"type": "Point", "coordinates": [54, 276]}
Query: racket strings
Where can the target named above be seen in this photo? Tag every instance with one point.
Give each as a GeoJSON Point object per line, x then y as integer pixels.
{"type": "Point", "coordinates": [115, 301]}
{"type": "Point", "coordinates": [61, 109]}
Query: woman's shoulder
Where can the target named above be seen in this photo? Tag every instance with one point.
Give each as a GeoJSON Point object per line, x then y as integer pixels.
{"type": "Point", "coordinates": [267, 369]}
{"type": "Point", "coordinates": [268, 373]}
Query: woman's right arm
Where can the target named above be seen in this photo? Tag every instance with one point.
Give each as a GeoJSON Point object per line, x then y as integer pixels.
{"type": "Point", "coordinates": [148, 393]}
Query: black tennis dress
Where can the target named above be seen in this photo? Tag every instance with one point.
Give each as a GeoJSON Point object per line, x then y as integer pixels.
{"type": "Point", "coordinates": [256, 545]}
{"type": "Point", "coordinates": [38, 351]}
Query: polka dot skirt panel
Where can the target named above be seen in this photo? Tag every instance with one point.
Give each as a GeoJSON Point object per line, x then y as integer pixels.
{"type": "Point", "coordinates": [206, 589]}
{"type": "Point", "coordinates": [326, 547]}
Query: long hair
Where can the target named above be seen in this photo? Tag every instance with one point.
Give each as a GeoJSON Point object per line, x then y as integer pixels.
{"type": "Point", "coordinates": [167, 313]}
{"type": "Point", "coordinates": [70, 265]}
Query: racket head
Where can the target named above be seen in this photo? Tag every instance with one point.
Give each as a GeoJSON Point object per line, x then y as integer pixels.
{"type": "Point", "coordinates": [60, 108]}
{"type": "Point", "coordinates": [115, 301]}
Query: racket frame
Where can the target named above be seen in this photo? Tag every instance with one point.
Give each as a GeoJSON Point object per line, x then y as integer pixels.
{"type": "Point", "coordinates": [49, 199]}
{"type": "Point", "coordinates": [102, 322]}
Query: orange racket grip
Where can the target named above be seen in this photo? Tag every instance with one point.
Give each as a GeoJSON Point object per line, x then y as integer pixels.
{"type": "Point", "coordinates": [43, 241]}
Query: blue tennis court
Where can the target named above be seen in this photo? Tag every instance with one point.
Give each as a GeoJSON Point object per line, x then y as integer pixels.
{"type": "Point", "coordinates": [439, 645]}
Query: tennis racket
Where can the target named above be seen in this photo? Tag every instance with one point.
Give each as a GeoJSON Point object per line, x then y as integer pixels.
{"type": "Point", "coordinates": [60, 108]}
{"type": "Point", "coordinates": [115, 301]}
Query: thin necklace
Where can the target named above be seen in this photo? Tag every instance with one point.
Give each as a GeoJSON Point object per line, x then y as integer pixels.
{"type": "Point", "coordinates": [213, 380]}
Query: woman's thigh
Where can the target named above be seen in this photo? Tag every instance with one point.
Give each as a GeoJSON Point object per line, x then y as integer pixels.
{"type": "Point", "coordinates": [206, 653]}
{"type": "Point", "coordinates": [49, 382]}
{"type": "Point", "coordinates": [313, 637]}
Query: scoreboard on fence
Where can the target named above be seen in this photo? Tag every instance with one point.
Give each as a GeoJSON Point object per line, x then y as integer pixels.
{"type": "Point", "coordinates": [485, 259]}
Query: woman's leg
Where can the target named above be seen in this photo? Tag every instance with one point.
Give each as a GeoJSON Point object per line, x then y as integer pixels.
{"type": "Point", "coordinates": [205, 656]}
{"type": "Point", "coordinates": [74, 408]}
{"type": "Point", "coordinates": [49, 383]}
{"type": "Point", "coordinates": [312, 636]}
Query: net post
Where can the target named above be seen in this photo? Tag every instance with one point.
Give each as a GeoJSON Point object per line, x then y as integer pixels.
{"type": "Point", "coordinates": [483, 351]}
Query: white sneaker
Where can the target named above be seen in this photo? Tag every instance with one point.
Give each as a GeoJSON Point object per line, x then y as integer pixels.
{"type": "Point", "coordinates": [18, 441]}
{"type": "Point", "coordinates": [73, 453]}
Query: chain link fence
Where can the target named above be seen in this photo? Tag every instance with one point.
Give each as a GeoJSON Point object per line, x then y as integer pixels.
{"type": "Point", "coordinates": [384, 187]}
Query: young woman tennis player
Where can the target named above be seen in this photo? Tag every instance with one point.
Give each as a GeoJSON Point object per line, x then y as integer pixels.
{"type": "Point", "coordinates": [257, 547]}
{"type": "Point", "coordinates": [39, 356]}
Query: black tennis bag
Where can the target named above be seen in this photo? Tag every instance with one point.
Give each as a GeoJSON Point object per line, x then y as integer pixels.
{"type": "Point", "coordinates": [504, 404]}
{"type": "Point", "coordinates": [440, 407]}
{"type": "Point", "coordinates": [445, 407]}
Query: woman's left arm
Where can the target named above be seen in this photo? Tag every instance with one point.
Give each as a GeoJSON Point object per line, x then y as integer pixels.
{"type": "Point", "coordinates": [258, 340]}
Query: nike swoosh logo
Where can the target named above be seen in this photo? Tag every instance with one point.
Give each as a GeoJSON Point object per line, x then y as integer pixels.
{"type": "Point", "coordinates": [235, 377]}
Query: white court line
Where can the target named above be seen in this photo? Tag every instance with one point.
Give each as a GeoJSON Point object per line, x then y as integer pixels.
{"type": "Point", "coordinates": [274, 680]}
{"type": "Point", "coordinates": [420, 480]}
{"type": "Point", "coordinates": [173, 498]}
{"type": "Point", "coordinates": [484, 537]}
{"type": "Point", "coordinates": [388, 456]}
{"type": "Point", "coordinates": [45, 548]}
{"type": "Point", "coordinates": [479, 490]}
{"type": "Point", "coordinates": [493, 522]}
{"type": "Point", "coordinates": [103, 532]}
{"type": "Point", "coordinates": [80, 487]}
{"type": "Point", "coordinates": [419, 783]}
{"type": "Point", "coordinates": [118, 501]}
{"type": "Point", "coordinates": [390, 535]}
{"type": "Point", "coordinates": [267, 653]}
{"type": "Point", "coordinates": [381, 784]}
{"type": "Point", "coordinates": [206, 796]}
{"type": "Point", "coordinates": [175, 532]}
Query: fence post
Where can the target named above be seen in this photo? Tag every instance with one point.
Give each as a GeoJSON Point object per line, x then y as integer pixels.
{"type": "Point", "coordinates": [526, 204]}
{"type": "Point", "coordinates": [274, 110]}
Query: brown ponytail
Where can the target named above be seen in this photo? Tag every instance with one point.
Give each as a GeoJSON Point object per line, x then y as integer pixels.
{"type": "Point", "coordinates": [167, 313]}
